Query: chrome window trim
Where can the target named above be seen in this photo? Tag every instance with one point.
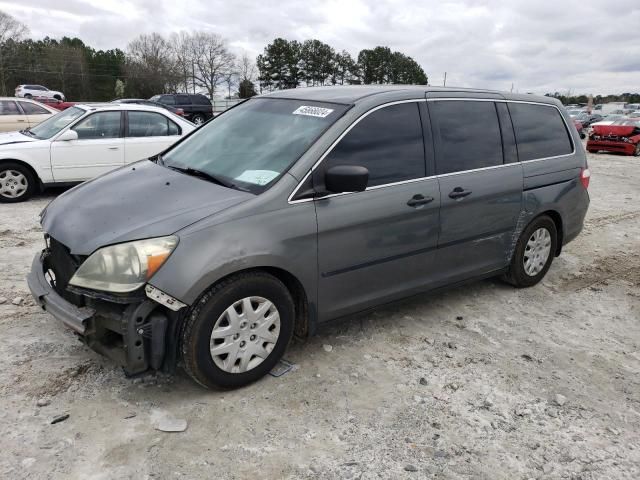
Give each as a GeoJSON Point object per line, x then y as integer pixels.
{"type": "Point", "coordinates": [414, 180]}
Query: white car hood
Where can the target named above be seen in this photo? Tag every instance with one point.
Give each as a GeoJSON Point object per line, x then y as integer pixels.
{"type": "Point", "coordinates": [15, 137]}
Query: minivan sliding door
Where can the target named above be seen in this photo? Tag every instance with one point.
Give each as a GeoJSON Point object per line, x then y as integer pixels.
{"type": "Point", "coordinates": [481, 193]}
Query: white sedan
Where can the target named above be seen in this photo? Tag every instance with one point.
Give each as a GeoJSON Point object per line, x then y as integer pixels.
{"type": "Point", "coordinates": [82, 142]}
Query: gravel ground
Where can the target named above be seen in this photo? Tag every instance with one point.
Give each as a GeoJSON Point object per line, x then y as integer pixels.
{"type": "Point", "coordinates": [483, 381]}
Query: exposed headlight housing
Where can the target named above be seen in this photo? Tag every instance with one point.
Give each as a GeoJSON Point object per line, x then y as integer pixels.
{"type": "Point", "coordinates": [124, 267]}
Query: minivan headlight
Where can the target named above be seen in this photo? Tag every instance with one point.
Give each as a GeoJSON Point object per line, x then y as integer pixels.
{"type": "Point", "coordinates": [124, 267]}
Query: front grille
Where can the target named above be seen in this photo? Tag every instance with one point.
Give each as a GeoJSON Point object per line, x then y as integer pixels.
{"type": "Point", "coordinates": [60, 265]}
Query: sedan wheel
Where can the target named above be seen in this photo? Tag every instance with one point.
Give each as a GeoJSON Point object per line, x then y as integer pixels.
{"type": "Point", "coordinates": [16, 183]}
{"type": "Point", "coordinates": [637, 150]}
{"type": "Point", "coordinates": [198, 120]}
{"type": "Point", "coordinates": [245, 334]}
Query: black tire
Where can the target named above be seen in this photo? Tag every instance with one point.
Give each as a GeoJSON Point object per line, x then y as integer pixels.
{"type": "Point", "coordinates": [592, 151]}
{"type": "Point", "coordinates": [516, 275]}
{"type": "Point", "coordinates": [200, 321]}
{"type": "Point", "coordinates": [28, 95]}
{"type": "Point", "coordinates": [7, 180]}
{"type": "Point", "coordinates": [57, 97]}
{"type": "Point", "coordinates": [636, 152]}
{"type": "Point", "coordinates": [198, 119]}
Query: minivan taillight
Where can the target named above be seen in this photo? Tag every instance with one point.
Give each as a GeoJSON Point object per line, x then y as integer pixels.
{"type": "Point", "coordinates": [585, 175]}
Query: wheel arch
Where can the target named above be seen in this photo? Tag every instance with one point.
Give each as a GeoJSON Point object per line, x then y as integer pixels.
{"type": "Point", "coordinates": [304, 316]}
{"type": "Point", "coordinates": [557, 220]}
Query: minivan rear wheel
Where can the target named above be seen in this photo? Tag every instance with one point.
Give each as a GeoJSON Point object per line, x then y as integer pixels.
{"type": "Point", "coordinates": [534, 253]}
{"type": "Point", "coordinates": [237, 331]}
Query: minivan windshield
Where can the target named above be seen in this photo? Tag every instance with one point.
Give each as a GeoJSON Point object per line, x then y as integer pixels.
{"type": "Point", "coordinates": [54, 124]}
{"type": "Point", "coordinates": [251, 145]}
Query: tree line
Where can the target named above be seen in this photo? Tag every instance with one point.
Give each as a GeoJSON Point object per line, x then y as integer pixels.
{"type": "Point", "coordinates": [289, 64]}
{"type": "Point", "coordinates": [186, 62]}
{"type": "Point", "coordinates": [597, 99]}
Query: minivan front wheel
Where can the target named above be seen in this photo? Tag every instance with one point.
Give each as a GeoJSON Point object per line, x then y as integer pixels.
{"type": "Point", "coordinates": [237, 332]}
{"type": "Point", "coordinates": [534, 253]}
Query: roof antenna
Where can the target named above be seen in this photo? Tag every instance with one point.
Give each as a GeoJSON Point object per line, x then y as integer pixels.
{"type": "Point", "coordinates": [444, 84]}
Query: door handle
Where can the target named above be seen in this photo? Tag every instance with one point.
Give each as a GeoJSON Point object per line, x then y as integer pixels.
{"type": "Point", "coordinates": [459, 192]}
{"type": "Point", "coordinates": [21, 120]}
{"type": "Point", "coordinates": [114, 148]}
{"type": "Point", "coordinates": [418, 200]}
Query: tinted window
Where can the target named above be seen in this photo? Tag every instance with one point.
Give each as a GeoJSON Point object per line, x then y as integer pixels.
{"type": "Point", "coordinates": [99, 125]}
{"type": "Point", "coordinates": [167, 100]}
{"type": "Point", "coordinates": [468, 135]}
{"type": "Point", "coordinates": [540, 131]}
{"type": "Point", "coordinates": [9, 108]}
{"type": "Point", "coordinates": [200, 100]}
{"type": "Point", "coordinates": [388, 142]}
{"type": "Point", "coordinates": [33, 109]}
{"type": "Point", "coordinates": [183, 100]}
{"type": "Point", "coordinates": [150, 124]}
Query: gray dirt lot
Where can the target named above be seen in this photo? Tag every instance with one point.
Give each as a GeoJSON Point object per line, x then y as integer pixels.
{"type": "Point", "coordinates": [461, 384]}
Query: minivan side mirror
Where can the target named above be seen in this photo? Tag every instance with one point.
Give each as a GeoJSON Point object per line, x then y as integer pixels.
{"type": "Point", "coordinates": [68, 136]}
{"type": "Point", "coordinates": [346, 178]}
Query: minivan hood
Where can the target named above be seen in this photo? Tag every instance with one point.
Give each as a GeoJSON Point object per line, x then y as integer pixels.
{"type": "Point", "coordinates": [142, 200]}
{"type": "Point", "coordinates": [14, 137]}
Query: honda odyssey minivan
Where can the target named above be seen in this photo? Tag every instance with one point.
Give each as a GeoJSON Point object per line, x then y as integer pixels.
{"type": "Point", "coordinates": [302, 206]}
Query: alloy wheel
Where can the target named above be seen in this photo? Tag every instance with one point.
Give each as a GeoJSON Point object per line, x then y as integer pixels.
{"type": "Point", "coordinates": [245, 334]}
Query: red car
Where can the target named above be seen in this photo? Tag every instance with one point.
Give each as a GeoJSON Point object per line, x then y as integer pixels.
{"type": "Point", "coordinates": [55, 103]}
{"type": "Point", "coordinates": [621, 136]}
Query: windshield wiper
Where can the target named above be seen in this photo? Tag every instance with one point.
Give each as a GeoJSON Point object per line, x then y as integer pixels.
{"type": "Point", "coordinates": [202, 174]}
{"type": "Point", "coordinates": [28, 132]}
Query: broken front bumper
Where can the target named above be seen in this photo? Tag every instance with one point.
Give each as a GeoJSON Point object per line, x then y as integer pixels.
{"type": "Point", "coordinates": [623, 147]}
{"type": "Point", "coordinates": [137, 336]}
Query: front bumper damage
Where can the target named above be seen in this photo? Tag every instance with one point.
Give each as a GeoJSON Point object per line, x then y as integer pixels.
{"type": "Point", "coordinates": [140, 335]}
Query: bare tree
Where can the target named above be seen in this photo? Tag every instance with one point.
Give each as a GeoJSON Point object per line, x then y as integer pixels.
{"type": "Point", "coordinates": [151, 65]}
{"type": "Point", "coordinates": [212, 59]}
{"type": "Point", "coordinates": [182, 48]}
{"type": "Point", "coordinates": [10, 29]}
{"type": "Point", "coordinates": [247, 68]}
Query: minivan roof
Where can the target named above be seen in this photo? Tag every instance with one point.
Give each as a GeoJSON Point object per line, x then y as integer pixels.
{"type": "Point", "coordinates": [350, 94]}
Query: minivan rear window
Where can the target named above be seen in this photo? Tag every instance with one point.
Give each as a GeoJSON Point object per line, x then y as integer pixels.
{"type": "Point", "coordinates": [540, 131]}
{"type": "Point", "coordinates": [467, 134]}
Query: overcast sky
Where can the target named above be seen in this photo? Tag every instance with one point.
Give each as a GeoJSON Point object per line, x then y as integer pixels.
{"type": "Point", "coordinates": [540, 46]}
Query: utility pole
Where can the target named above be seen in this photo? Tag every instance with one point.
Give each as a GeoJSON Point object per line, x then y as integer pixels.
{"type": "Point", "coordinates": [511, 87]}
{"type": "Point", "coordinates": [193, 78]}
{"type": "Point", "coordinates": [444, 84]}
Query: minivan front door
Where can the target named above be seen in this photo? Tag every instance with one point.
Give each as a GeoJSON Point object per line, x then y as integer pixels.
{"type": "Point", "coordinates": [378, 244]}
{"type": "Point", "coordinates": [480, 193]}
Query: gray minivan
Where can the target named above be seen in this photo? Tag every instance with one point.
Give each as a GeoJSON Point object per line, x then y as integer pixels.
{"type": "Point", "coordinates": [302, 206]}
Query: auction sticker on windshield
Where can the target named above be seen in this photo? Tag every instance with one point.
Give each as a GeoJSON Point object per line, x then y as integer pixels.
{"type": "Point", "coordinates": [257, 177]}
{"type": "Point", "coordinates": [313, 111]}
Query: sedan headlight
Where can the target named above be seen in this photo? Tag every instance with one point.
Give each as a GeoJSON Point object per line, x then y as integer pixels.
{"type": "Point", "coordinates": [124, 267]}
